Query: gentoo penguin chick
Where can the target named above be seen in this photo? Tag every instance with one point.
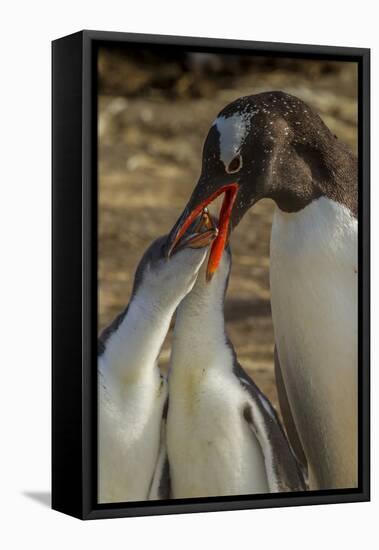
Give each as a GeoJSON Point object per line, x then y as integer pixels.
{"type": "Point", "coordinates": [131, 392]}
{"type": "Point", "coordinates": [275, 146]}
{"type": "Point", "coordinates": [223, 435]}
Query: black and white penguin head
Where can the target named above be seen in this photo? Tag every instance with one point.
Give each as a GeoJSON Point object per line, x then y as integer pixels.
{"type": "Point", "coordinates": [170, 280]}
{"type": "Point", "coordinates": [272, 145]}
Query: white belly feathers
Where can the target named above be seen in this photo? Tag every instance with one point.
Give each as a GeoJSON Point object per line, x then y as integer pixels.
{"type": "Point", "coordinates": [211, 449]}
{"type": "Point", "coordinates": [314, 283]}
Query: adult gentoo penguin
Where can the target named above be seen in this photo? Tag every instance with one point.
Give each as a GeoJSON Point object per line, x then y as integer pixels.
{"type": "Point", "coordinates": [223, 435]}
{"type": "Point", "coordinates": [132, 395]}
{"type": "Point", "coordinates": [273, 145]}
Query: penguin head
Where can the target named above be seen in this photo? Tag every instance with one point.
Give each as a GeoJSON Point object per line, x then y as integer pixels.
{"type": "Point", "coordinates": [170, 280]}
{"type": "Point", "coordinates": [270, 145]}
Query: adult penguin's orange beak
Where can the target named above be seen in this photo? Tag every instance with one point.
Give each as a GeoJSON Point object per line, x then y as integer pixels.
{"type": "Point", "coordinates": [195, 206]}
{"type": "Point", "coordinates": [201, 234]}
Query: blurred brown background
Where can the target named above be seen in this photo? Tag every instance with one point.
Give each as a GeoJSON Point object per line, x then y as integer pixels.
{"type": "Point", "coordinates": [154, 112]}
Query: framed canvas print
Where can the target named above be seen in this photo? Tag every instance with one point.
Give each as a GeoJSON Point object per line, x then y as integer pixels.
{"type": "Point", "coordinates": [210, 275]}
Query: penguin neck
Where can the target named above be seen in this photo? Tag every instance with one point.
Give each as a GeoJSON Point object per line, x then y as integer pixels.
{"type": "Point", "coordinates": [199, 333]}
{"type": "Point", "coordinates": [329, 171]}
{"type": "Point", "coordinates": [135, 344]}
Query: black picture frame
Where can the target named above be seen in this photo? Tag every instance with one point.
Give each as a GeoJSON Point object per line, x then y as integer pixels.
{"type": "Point", "coordinates": [74, 272]}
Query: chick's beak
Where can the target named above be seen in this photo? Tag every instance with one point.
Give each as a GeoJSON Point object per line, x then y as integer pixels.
{"type": "Point", "coordinates": [195, 206]}
{"type": "Point", "coordinates": [202, 232]}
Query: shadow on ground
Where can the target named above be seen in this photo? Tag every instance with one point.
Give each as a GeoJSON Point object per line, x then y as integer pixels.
{"type": "Point", "coordinates": [41, 497]}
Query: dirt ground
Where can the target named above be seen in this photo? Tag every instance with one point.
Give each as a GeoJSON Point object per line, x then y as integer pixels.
{"type": "Point", "coordinates": [151, 131]}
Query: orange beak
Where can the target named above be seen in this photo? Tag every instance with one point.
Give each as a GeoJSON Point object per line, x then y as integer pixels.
{"type": "Point", "coordinates": [220, 241]}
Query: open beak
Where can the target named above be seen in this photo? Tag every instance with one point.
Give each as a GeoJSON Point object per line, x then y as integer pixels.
{"type": "Point", "coordinates": [191, 212]}
{"type": "Point", "coordinates": [200, 235]}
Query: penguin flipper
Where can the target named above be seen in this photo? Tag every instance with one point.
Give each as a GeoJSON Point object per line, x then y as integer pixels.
{"type": "Point", "coordinates": [285, 409]}
{"type": "Point", "coordinates": [284, 472]}
{"type": "Point", "coordinates": [160, 488]}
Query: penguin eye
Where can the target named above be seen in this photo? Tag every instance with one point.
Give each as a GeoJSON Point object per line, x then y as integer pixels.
{"type": "Point", "coordinates": [234, 165]}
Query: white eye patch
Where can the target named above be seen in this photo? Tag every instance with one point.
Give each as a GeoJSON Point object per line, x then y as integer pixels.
{"type": "Point", "coordinates": [233, 131]}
